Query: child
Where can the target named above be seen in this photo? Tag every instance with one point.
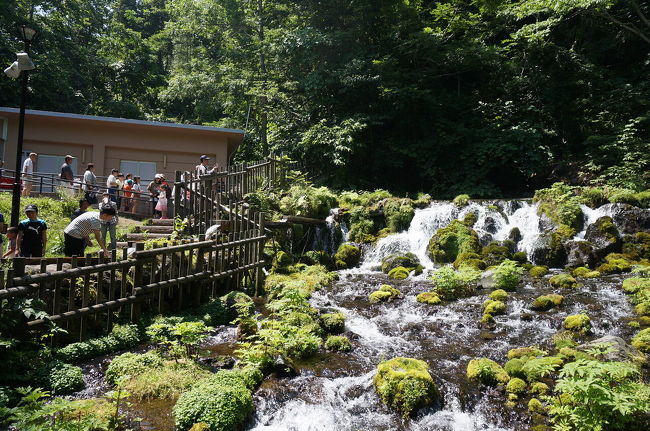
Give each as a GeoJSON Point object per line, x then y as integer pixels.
{"type": "Point", "coordinates": [12, 233]}
{"type": "Point", "coordinates": [162, 203]}
{"type": "Point", "coordinates": [32, 234]}
{"type": "Point", "coordinates": [128, 195]}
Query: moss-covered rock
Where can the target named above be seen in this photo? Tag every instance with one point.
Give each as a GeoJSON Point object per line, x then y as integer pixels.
{"type": "Point", "coordinates": [398, 213]}
{"type": "Point", "coordinates": [384, 294]}
{"type": "Point", "coordinates": [237, 302]}
{"type": "Point", "coordinates": [472, 260]}
{"type": "Point", "coordinates": [584, 272]}
{"type": "Point", "coordinates": [563, 281]}
{"type": "Point", "coordinates": [538, 271]}
{"type": "Point", "coordinates": [407, 260]}
{"type": "Point", "coordinates": [641, 341]}
{"type": "Point", "coordinates": [338, 343]}
{"type": "Point", "coordinates": [560, 204]}
{"type": "Point", "coordinates": [470, 219]}
{"type": "Point", "coordinates": [615, 263]}
{"type": "Point", "coordinates": [580, 323]}
{"type": "Point", "coordinates": [539, 388]}
{"type": "Point", "coordinates": [332, 323]}
{"type": "Point", "coordinates": [546, 302]}
{"type": "Point", "coordinates": [515, 235]}
{"type": "Point", "coordinates": [516, 386]}
{"type": "Point", "coordinates": [448, 242]}
{"type": "Point", "coordinates": [431, 298]}
{"type": "Point", "coordinates": [495, 253]}
{"type": "Point", "coordinates": [520, 257]}
{"type": "Point", "coordinates": [348, 256]}
{"type": "Point", "coordinates": [604, 236]}
{"type": "Point", "coordinates": [637, 246]}
{"type": "Point", "coordinates": [130, 364]}
{"type": "Point", "coordinates": [486, 371]}
{"type": "Point", "coordinates": [526, 352]}
{"type": "Point", "coordinates": [399, 273]}
{"type": "Point", "coordinates": [461, 200]}
{"type": "Point", "coordinates": [281, 262]}
{"type": "Point", "coordinates": [498, 295]}
{"type": "Point", "coordinates": [514, 367]}
{"type": "Point", "coordinates": [405, 385]}
{"type": "Point", "coordinates": [536, 406]}
{"type": "Point", "coordinates": [494, 308]}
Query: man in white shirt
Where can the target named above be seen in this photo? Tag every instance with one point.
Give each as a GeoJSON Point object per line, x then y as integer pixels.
{"type": "Point", "coordinates": [111, 184]}
{"type": "Point", "coordinates": [28, 171]}
{"type": "Point", "coordinates": [202, 168]}
{"type": "Point", "coordinates": [77, 233]}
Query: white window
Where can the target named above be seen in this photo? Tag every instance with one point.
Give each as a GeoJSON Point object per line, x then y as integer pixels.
{"type": "Point", "coordinates": [145, 170]}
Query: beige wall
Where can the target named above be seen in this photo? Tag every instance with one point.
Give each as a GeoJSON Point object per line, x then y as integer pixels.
{"type": "Point", "coordinates": [106, 144]}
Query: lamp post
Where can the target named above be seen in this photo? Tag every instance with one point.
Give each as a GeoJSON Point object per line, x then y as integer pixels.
{"type": "Point", "coordinates": [27, 34]}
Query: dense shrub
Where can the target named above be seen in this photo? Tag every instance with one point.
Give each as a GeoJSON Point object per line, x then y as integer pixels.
{"type": "Point", "coordinates": [338, 343]}
{"type": "Point", "coordinates": [308, 201]}
{"type": "Point", "coordinates": [222, 401]}
{"type": "Point", "coordinates": [450, 284]}
{"type": "Point", "coordinates": [560, 204]}
{"type": "Point", "coordinates": [507, 275]}
{"type": "Point", "coordinates": [60, 378]}
{"type": "Point", "coordinates": [121, 337]}
{"type": "Point", "coordinates": [333, 323]}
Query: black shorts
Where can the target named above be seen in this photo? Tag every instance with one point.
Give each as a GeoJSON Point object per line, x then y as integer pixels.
{"type": "Point", "coordinates": [74, 246]}
{"type": "Point", "coordinates": [31, 252]}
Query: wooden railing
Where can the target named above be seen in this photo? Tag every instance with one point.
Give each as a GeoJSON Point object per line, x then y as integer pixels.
{"type": "Point", "coordinates": [90, 291]}
{"type": "Point", "coordinates": [204, 200]}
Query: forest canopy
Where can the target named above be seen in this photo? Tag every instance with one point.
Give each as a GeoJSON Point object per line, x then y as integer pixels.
{"type": "Point", "coordinates": [488, 97]}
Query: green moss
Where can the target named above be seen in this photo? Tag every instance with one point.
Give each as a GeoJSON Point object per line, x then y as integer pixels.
{"type": "Point", "coordinates": [516, 386]}
{"type": "Point", "coordinates": [563, 281]}
{"type": "Point", "coordinates": [538, 271]}
{"type": "Point", "coordinates": [166, 382]}
{"type": "Point", "coordinates": [448, 242]}
{"type": "Point", "coordinates": [407, 260]}
{"type": "Point", "coordinates": [560, 204]}
{"type": "Point", "coordinates": [469, 259]}
{"type": "Point", "coordinates": [494, 308]}
{"type": "Point", "coordinates": [546, 302]}
{"type": "Point", "coordinates": [564, 339]}
{"type": "Point", "coordinates": [539, 388]}
{"type": "Point", "coordinates": [580, 323]}
{"type": "Point", "coordinates": [641, 341]}
{"type": "Point", "coordinates": [385, 293]}
{"type": "Point", "coordinates": [536, 406]}
{"type": "Point", "coordinates": [494, 253]}
{"type": "Point", "coordinates": [338, 343]}
{"type": "Point", "coordinates": [487, 372]}
{"type": "Point", "coordinates": [399, 273]}
{"type": "Point", "coordinates": [593, 197]}
{"type": "Point", "coordinates": [348, 254]}
{"type": "Point", "coordinates": [514, 367]}
{"type": "Point", "coordinates": [520, 257]}
{"type": "Point", "coordinates": [643, 309]}
{"type": "Point", "coordinates": [637, 246]}
{"type": "Point", "coordinates": [131, 364]}
{"type": "Point", "coordinates": [428, 298]}
{"type": "Point", "coordinates": [524, 352]}
{"type": "Point", "coordinates": [615, 263]}
{"type": "Point", "coordinates": [222, 401]}
{"type": "Point", "coordinates": [405, 385]}
{"type": "Point", "coordinates": [121, 337]}
{"type": "Point", "coordinates": [499, 295]}
{"type": "Point", "coordinates": [333, 323]}
{"type": "Point", "coordinates": [398, 214]}
{"type": "Point", "coordinates": [281, 262]}
{"type": "Point", "coordinates": [461, 200]}
{"type": "Point", "coordinates": [470, 219]}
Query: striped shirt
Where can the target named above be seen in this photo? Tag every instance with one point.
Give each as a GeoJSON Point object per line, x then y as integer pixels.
{"type": "Point", "coordinates": [83, 225]}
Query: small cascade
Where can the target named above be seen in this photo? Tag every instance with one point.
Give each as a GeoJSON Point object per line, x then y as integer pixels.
{"type": "Point", "coordinates": [591, 215]}
{"type": "Point", "coordinates": [333, 234]}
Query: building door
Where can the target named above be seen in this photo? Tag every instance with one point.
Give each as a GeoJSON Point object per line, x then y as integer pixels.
{"type": "Point", "coordinates": [145, 170]}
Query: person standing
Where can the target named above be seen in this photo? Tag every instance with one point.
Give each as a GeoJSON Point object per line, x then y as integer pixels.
{"type": "Point", "coordinates": [137, 194]}
{"type": "Point", "coordinates": [90, 184]}
{"type": "Point", "coordinates": [66, 175]}
{"type": "Point", "coordinates": [110, 225]}
{"type": "Point", "coordinates": [83, 206]}
{"type": "Point", "coordinates": [128, 195]}
{"type": "Point", "coordinates": [32, 234]}
{"type": "Point", "coordinates": [28, 172]}
{"type": "Point", "coordinates": [202, 168]}
{"type": "Point", "coordinates": [77, 233]}
{"type": "Point", "coordinates": [12, 234]}
{"type": "Point", "coordinates": [111, 185]}
{"type": "Point", "coordinates": [154, 191]}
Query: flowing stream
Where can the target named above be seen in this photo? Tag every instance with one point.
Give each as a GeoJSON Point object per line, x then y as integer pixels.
{"type": "Point", "coordinates": [335, 391]}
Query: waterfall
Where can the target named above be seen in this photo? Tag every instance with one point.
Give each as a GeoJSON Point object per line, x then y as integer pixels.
{"type": "Point", "coordinates": [591, 215]}
{"type": "Point", "coordinates": [333, 234]}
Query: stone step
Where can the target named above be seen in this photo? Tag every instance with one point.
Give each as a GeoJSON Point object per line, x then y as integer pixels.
{"type": "Point", "coordinates": [161, 222]}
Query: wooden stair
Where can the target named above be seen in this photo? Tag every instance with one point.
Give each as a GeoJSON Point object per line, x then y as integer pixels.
{"type": "Point", "coordinates": [154, 230]}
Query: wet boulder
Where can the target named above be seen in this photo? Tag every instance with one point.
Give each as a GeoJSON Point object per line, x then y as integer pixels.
{"type": "Point", "coordinates": [579, 253]}
{"type": "Point", "coordinates": [407, 260]}
{"type": "Point", "coordinates": [405, 385]}
{"type": "Point", "coordinates": [515, 235]}
{"type": "Point", "coordinates": [490, 225]}
{"type": "Point", "coordinates": [630, 219]}
{"type": "Point", "coordinates": [347, 256]}
{"type": "Point", "coordinates": [386, 293]}
{"type": "Point", "coordinates": [448, 242]}
{"type": "Point", "coordinates": [604, 237]}
{"type": "Point", "coordinates": [637, 246]}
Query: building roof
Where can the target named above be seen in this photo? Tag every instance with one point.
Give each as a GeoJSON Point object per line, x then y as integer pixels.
{"type": "Point", "coordinates": [124, 121]}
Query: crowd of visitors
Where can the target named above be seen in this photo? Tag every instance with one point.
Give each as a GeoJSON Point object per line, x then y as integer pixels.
{"type": "Point", "coordinates": [122, 193]}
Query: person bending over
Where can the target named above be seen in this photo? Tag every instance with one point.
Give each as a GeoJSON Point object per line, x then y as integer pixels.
{"type": "Point", "coordinates": [77, 233]}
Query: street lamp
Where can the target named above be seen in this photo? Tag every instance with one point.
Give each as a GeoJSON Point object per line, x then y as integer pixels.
{"type": "Point", "coordinates": [23, 65]}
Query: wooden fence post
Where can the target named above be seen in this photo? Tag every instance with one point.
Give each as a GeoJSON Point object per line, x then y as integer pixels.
{"type": "Point", "coordinates": [137, 281]}
{"type": "Point", "coordinates": [177, 195]}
